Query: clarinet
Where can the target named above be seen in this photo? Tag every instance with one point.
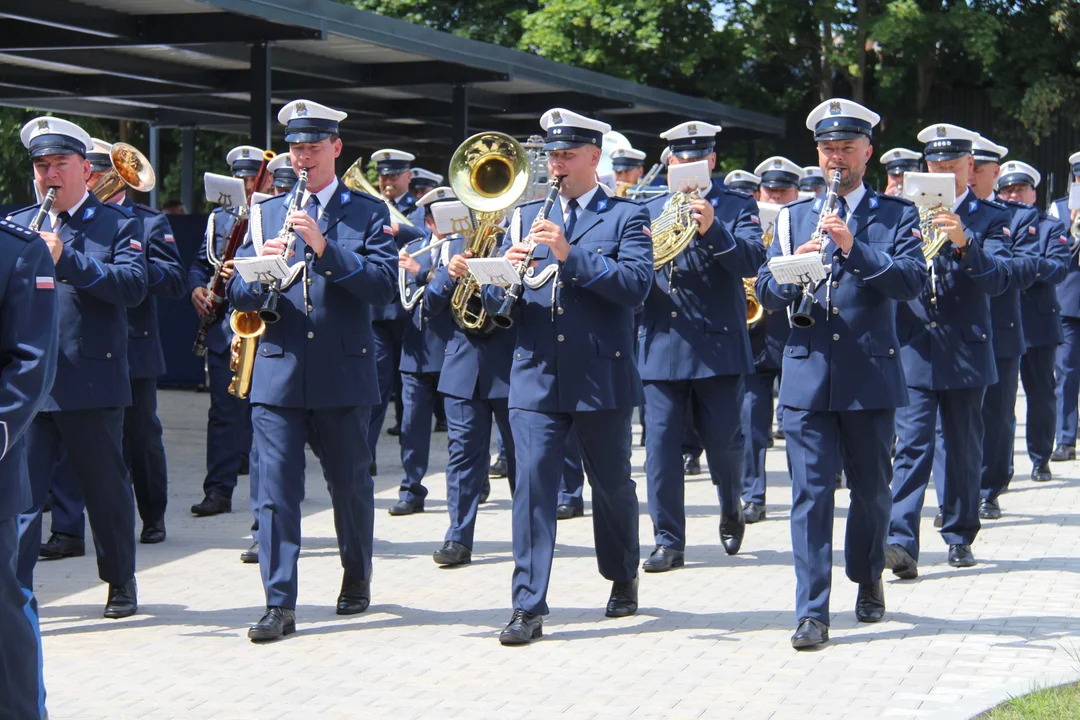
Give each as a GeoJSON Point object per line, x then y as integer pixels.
{"type": "Point", "coordinates": [43, 211]}
{"type": "Point", "coordinates": [269, 312]}
{"type": "Point", "coordinates": [802, 318]}
{"type": "Point", "coordinates": [502, 318]}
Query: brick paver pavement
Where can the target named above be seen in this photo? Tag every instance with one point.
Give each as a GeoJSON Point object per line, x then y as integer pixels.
{"type": "Point", "coordinates": [710, 640]}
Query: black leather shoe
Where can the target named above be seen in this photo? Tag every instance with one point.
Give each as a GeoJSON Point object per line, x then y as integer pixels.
{"type": "Point", "coordinates": [48, 504]}
{"type": "Point", "coordinates": [153, 533]}
{"type": "Point", "coordinates": [989, 509]}
{"type": "Point", "coordinates": [245, 466]}
{"type": "Point", "coordinates": [870, 602]}
{"type": "Point", "coordinates": [355, 596]}
{"type": "Point", "coordinates": [567, 512]}
{"type": "Point", "coordinates": [960, 556]}
{"type": "Point", "coordinates": [691, 465]}
{"type": "Point", "coordinates": [497, 469]}
{"type": "Point", "coordinates": [212, 504]}
{"type": "Point", "coordinates": [452, 553]}
{"type": "Point", "coordinates": [1063, 452]}
{"type": "Point", "coordinates": [770, 444]}
{"type": "Point", "coordinates": [123, 600]}
{"type": "Point", "coordinates": [778, 434]}
{"type": "Point", "coordinates": [251, 555]}
{"type": "Point", "coordinates": [732, 528]}
{"type": "Point", "coordinates": [899, 560]}
{"type": "Point", "coordinates": [663, 559]}
{"type": "Point", "coordinates": [485, 492]}
{"type": "Point", "coordinates": [373, 469]}
{"type": "Point", "coordinates": [275, 624]}
{"type": "Point", "coordinates": [393, 430]}
{"type": "Point", "coordinates": [810, 634]}
{"type": "Point", "coordinates": [939, 520]}
{"type": "Point", "coordinates": [404, 507]}
{"type": "Point", "coordinates": [523, 628]}
{"type": "Point", "coordinates": [753, 512]}
{"type": "Point", "coordinates": [623, 599]}
{"type": "Point", "coordinates": [62, 546]}
{"type": "Point", "coordinates": [440, 426]}
{"type": "Point", "coordinates": [1041, 473]}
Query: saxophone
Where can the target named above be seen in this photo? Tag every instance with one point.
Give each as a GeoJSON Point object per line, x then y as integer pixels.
{"type": "Point", "coordinates": [247, 328]}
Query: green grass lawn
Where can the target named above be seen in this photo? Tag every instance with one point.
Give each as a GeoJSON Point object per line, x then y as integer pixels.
{"type": "Point", "coordinates": [1057, 703]}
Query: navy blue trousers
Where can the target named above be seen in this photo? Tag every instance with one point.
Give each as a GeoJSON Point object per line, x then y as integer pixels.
{"type": "Point", "coordinates": [999, 428]}
{"type": "Point", "coordinates": [144, 455]}
{"type": "Point", "coordinates": [420, 396]}
{"type": "Point", "coordinates": [336, 436]}
{"type": "Point", "coordinates": [717, 403]}
{"type": "Point", "coordinates": [228, 429]}
{"type": "Point", "coordinates": [253, 491]}
{"type": "Point", "coordinates": [468, 426]}
{"type": "Point", "coordinates": [1067, 370]}
{"type": "Point", "coordinates": [820, 445]}
{"type": "Point", "coordinates": [92, 440]}
{"type": "Point", "coordinates": [757, 418]}
{"type": "Point", "coordinates": [572, 484]}
{"type": "Point", "coordinates": [388, 335]}
{"type": "Point", "coordinates": [540, 441]}
{"type": "Point", "coordinates": [22, 689]}
{"type": "Point", "coordinates": [917, 455]}
{"type": "Point", "coordinates": [1037, 374]}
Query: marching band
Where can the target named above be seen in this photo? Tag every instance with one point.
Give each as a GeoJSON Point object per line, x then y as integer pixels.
{"type": "Point", "coordinates": [544, 306]}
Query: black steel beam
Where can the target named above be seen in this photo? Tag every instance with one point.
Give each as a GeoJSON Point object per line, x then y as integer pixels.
{"type": "Point", "coordinates": [69, 16]}
{"type": "Point", "coordinates": [260, 94]}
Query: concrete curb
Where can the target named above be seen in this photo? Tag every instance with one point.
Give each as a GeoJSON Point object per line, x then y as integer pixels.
{"type": "Point", "coordinates": [982, 702]}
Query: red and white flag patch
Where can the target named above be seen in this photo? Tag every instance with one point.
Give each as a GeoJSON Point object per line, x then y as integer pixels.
{"type": "Point", "coordinates": [136, 245]}
{"type": "Point", "coordinates": [44, 282]}
{"type": "Point", "coordinates": [170, 238]}
{"type": "Point", "coordinates": [1008, 232]}
{"type": "Point", "coordinates": [647, 230]}
{"type": "Point", "coordinates": [1031, 229]}
{"type": "Point", "coordinates": [917, 233]}
{"type": "Point", "coordinates": [1063, 239]}
{"type": "Point", "coordinates": [755, 219]}
{"type": "Point", "coordinates": [389, 230]}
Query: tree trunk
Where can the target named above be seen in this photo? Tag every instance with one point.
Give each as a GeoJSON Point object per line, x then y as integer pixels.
{"type": "Point", "coordinates": [826, 84]}
{"type": "Point", "coordinates": [858, 82]}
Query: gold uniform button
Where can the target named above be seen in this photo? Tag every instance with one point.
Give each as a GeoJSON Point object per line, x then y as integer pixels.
{"type": "Point", "coordinates": [933, 324]}
{"type": "Point", "coordinates": [836, 311]}
{"type": "Point", "coordinates": [674, 291]}
{"type": "Point", "coordinates": [560, 284]}
{"type": "Point", "coordinates": [559, 310]}
{"type": "Point", "coordinates": [835, 284]}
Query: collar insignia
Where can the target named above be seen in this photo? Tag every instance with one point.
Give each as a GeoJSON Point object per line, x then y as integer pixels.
{"type": "Point", "coordinates": [89, 214]}
{"type": "Point", "coordinates": [346, 197]}
{"type": "Point", "coordinates": [601, 205]}
{"type": "Point", "coordinates": [873, 202]}
{"type": "Point", "coordinates": [973, 206]}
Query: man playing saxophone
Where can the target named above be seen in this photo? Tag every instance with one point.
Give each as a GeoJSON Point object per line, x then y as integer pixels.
{"type": "Point", "coordinates": [314, 379]}
{"type": "Point", "coordinates": [693, 350]}
{"type": "Point", "coordinates": [842, 378]}
{"type": "Point", "coordinates": [1067, 364]}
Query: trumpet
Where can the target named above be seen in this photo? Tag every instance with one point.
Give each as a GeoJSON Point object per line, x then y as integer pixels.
{"type": "Point", "coordinates": [502, 317]}
{"type": "Point", "coordinates": [269, 312]}
{"type": "Point", "coordinates": [43, 211]}
{"type": "Point", "coordinates": [802, 318]}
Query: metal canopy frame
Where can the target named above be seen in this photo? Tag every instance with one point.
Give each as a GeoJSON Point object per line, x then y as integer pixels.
{"type": "Point", "coordinates": [227, 65]}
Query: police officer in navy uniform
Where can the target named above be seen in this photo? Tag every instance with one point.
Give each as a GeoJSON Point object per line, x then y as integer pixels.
{"type": "Point", "coordinates": [693, 350]}
{"type": "Point", "coordinates": [422, 351]}
{"type": "Point", "coordinates": [999, 404]}
{"type": "Point", "coordinates": [628, 166]}
{"type": "Point", "coordinates": [779, 185]}
{"type": "Point", "coordinates": [573, 367]}
{"type": "Point", "coordinates": [228, 426]}
{"type": "Point", "coordinates": [314, 380]}
{"type": "Point", "coordinates": [101, 268]}
{"type": "Point", "coordinates": [475, 379]}
{"type": "Point", "coordinates": [897, 162]}
{"type": "Point", "coordinates": [743, 181]}
{"type": "Point", "coordinates": [1067, 364]}
{"type": "Point", "coordinates": [422, 182]}
{"type": "Point", "coordinates": [388, 321]}
{"type": "Point", "coordinates": [948, 357]}
{"type": "Point", "coordinates": [284, 180]}
{"type": "Point", "coordinates": [1042, 325]}
{"type": "Point", "coordinates": [28, 357]}
{"type": "Point", "coordinates": [842, 377]}
{"type": "Point", "coordinates": [144, 450]}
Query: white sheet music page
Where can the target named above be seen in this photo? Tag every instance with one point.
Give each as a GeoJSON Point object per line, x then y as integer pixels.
{"type": "Point", "coordinates": [493, 271]}
{"type": "Point", "coordinates": [802, 269]}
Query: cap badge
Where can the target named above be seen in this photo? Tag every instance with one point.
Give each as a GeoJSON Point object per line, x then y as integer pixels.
{"type": "Point", "coordinates": [300, 110]}
{"type": "Point", "coordinates": [42, 124]}
{"type": "Point", "coordinates": [777, 164]}
{"type": "Point", "coordinates": [691, 129]}
{"type": "Point", "coordinates": [834, 107]}
{"type": "Point", "coordinates": [942, 131]}
{"type": "Point", "coordinates": [245, 153]}
{"type": "Point", "coordinates": [556, 117]}
{"type": "Point", "coordinates": [1011, 167]}
{"type": "Point", "coordinates": [442, 194]}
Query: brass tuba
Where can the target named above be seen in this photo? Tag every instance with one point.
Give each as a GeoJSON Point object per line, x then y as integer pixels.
{"type": "Point", "coordinates": [355, 180]}
{"type": "Point", "coordinates": [130, 169]}
{"type": "Point", "coordinates": [674, 229]}
{"type": "Point", "coordinates": [488, 174]}
{"type": "Point", "coordinates": [247, 327]}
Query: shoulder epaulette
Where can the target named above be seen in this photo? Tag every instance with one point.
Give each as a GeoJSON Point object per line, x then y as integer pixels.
{"type": "Point", "coordinates": [108, 206]}
{"type": "Point", "coordinates": [365, 196]}
{"type": "Point", "coordinates": [282, 196]}
{"type": "Point", "coordinates": [24, 209]}
{"type": "Point", "coordinates": [738, 193]}
{"type": "Point", "coordinates": [17, 230]}
{"type": "Point", "coordinates": [800, 201]}
{"type": "Point", "coordinates": [996, 204]}
{"type": "Point", "coordinates": [147, 209]}
{"type": "Point", "coordinates": [895, 199]}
